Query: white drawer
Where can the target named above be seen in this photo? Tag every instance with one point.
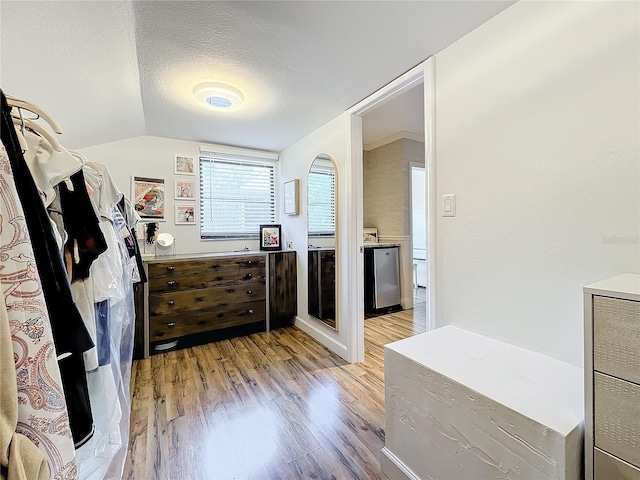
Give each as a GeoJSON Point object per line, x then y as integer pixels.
{"type": "Point", "coordinates": [617, 417]}
{"type": "Point", "coordinates": [616, 337]}
{"type": "Point", "coordinates": [608, 467]}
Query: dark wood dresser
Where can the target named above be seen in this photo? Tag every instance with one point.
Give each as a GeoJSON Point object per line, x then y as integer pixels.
{"type": "Point", "coordinates": [191, 300]}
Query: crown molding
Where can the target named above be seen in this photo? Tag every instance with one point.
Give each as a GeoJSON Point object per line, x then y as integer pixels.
{"type": "Point", "coordinates": [392, 138]}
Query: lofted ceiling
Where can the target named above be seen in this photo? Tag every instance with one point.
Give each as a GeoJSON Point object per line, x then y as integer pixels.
{"type": "Point", "coordinates": [109, 70]}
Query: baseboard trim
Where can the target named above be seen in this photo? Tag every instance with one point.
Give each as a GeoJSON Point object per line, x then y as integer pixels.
{"type": "Point", "coordinates": [393, 467]}
{"type": "Point", "coordinates": [316, 331]}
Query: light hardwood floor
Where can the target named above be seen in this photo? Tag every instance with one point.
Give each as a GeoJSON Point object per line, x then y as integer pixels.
{"type": "Point", "coordinates": [267, 406]}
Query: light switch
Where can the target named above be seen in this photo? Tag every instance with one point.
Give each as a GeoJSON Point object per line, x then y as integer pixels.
{"type": "Point", "coordinates": [449, 205]}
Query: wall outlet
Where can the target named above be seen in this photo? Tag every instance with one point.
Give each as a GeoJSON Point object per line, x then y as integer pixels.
{"type": "Point", "coordinates": [289, 245]}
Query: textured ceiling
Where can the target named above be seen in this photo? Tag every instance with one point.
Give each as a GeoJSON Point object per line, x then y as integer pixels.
{"type": "Point", "coordinates": [110, 70]}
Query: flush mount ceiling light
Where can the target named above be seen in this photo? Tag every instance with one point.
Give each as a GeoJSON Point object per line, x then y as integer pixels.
{"type": "Point", "coordinates": [218, 96]}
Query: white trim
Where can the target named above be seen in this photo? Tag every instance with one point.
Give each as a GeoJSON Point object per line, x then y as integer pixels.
{"type": "Point", "coordinates": [239, 151]}
{"type": "Point", "coordinates": [394, 468]}
{"type": "Point", "coordinates": [421, 73]}
{"type": "Point", "coordinates": [393, 238]}
{"type": "Point", "coordinates": [589, 443]}
{"type": "Point", "coordinates": [430, 170]}
{"type": "Point", "coordinates": [398, 86]}
{"type": "Point", "coordinates": [310, 327]}
{"type": "Point", "coordinates": [353, 321]}
{"type": "Point", "coordinates": [392, 138]}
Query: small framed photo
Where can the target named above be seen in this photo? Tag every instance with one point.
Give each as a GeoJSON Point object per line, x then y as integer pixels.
{"type": "Point", "coordinates": [148, 197]}
{"type": "Point", "coordinates": [370, 235]}
{"type": "Point", "coordinates": [270, 237]}
{"type": "Point", "coordinates": [184, 165]}
{"type": "Point", "coordinates": [185, 215]}
{"type": "Point", "coordinates": [291, 189]}
{"type": "Point", "coordinates": [185, 190]}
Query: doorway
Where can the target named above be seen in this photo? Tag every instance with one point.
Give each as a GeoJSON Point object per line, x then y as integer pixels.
{"type": "Point", "coordinates": [420, 76]}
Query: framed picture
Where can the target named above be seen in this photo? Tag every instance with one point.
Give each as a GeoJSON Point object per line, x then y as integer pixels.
{"type": "Point", "coordinates": [185, 190]}
{"type": "Point", "coordinates": [370, 235]}
{"type": "Point", "coordinates": [185, 215]}
{"type": "Point", "coordinates": [184, 165]}
{"type": "Point", "coordinates": [148, 197]}
{"type": "Point", "coordinates": [270, 237]}
{"type": "Point", "coordinates": [291, 189]}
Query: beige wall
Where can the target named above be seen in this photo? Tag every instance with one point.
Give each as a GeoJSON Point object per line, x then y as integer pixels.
{"type": "Point", "coordinates": [387, 199]}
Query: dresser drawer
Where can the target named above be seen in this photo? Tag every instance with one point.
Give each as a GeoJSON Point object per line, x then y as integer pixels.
{"type": "Point", "coordinates": [617, 417]}
{"type": "Point", "coordinates": [199, 280]}
{"type": "Point", "coordinates": [616, 337]}
{"type": "Point", "coordinates": [175, 302]}
{"type": "Point", "coordinates": [608, 467]}
{"type": "Point", "coordinates": [215, 264]}
{"type": "Point", "coordinates": [175, 325]}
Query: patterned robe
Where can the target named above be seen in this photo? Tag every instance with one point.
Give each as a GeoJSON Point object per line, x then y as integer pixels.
{"type": "Point", "coordinates": [42, 412]}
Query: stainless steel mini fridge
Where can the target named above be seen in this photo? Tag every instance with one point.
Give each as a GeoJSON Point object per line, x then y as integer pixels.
{"type": "Point", "coordinates": [382, 278]}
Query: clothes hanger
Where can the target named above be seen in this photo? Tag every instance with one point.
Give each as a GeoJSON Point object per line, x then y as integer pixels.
{"type": "Point", "coordinates": [94, 166]}
{"type": "Point", "coordinates": [24, 105]}
{"type": "Point", "coordinates": [19, 129]}
{"type": "Point", "coordinates": [43, 132]}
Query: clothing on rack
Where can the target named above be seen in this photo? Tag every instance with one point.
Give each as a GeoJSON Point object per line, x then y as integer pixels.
{"type": "Point", "coordinates": [68, 262]}
{"type": "Point", "coordinates": [86, 241]}
{"type": "Point", "coordinates": [41, 413]}
{"type": "Point", "coordinates": [20, 459]}
{"type": "Point", "coordinates": [69, 332]}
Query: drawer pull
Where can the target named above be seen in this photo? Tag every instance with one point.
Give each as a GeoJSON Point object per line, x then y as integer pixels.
{"type": "Point", "coordinates": [171, 283]}
{"type": "Point", "coordinates": [171, 303]}
{"type": "Point", "coordinates": [171, 324]}
{"type": "Point", "coordinates": [249, 262]}
{"type": "Point", "coordinates": [249, 275]}
{"type": "Point", "coordinates": [250, 311]}
{"type": "Point", "coordinates": [250, 292]}
{"type": "Point", "coordinates": [171, 268]}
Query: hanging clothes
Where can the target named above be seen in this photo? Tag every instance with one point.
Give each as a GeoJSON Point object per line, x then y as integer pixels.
{"type": "Point", "coordinates": [86, 240]}
{"type": "Point", "coordinates": [42, 415]}
{"type": "Point", "coordinates": [69, 333]}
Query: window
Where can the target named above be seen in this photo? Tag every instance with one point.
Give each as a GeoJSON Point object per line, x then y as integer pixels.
{"type": "Point", "coordinates": [322, 199]}
{"type": "Point", "coordinates": [237, 194]}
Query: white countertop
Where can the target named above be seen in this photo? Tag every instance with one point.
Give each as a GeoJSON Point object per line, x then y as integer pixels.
{"type": "Point", "coordinates": [626, 286]}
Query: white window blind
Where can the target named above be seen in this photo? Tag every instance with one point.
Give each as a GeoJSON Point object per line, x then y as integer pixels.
{"type": "Point", "coordinates": [322, 199]}
{"type": "Point", "coordinates": [237, 194]}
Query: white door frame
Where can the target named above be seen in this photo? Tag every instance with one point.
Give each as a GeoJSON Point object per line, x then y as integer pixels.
{"type": "Point", "coordinates": [413, 165]}
{"type": "Point", "coordinates": [423, 73]}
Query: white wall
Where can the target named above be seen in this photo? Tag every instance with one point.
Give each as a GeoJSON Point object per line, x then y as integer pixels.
{"type": "Point", "coordinates": [148, 156]}
{"type": "Point", "coordinates": [537, 127]}
{"type": "Point", "coordinates": [295, 162]}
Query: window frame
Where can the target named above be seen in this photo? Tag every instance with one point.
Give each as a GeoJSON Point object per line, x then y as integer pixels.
{"type": "Point", "coordinates": [206, 160]}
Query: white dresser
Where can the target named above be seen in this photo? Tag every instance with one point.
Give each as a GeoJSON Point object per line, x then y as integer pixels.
{"type": "Point", "coordinates": [612, 378]}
